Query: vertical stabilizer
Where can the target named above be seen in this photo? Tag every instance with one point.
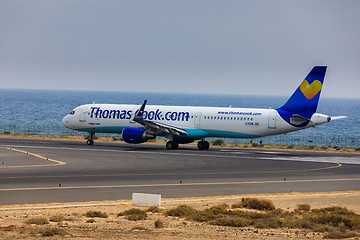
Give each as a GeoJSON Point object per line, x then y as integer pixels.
{"type": "Point", "coordinates": [303, 103]}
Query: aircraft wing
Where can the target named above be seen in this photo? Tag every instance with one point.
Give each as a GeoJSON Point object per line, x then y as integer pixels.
{"type": "Point", "coordinates": [156, 127]}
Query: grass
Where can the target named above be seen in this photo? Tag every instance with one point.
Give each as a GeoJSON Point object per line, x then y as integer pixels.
{"type": "Point", "coordinates": [134, 214]}
{"type": "Point", "coordinates": [218, 142]}
{"type": "Point", "coordinates": [37, 221]}
{"type": "Point", "coordinates": [52, 232]}
{"type": "Point", "coordinates": [255, 203]}
{"type": "Point", "coordinates": [97, 214]}
{"type": "Point", "coordinates": [303, 207]}
{"type": "Point", "coordinates": [56, 218]}
{"type": "Point", "coordinates": [154, 209]}
{"type": "Point", "coordinates": [333, 222]}
{"type": "Point", "coordinates": [181, 211]}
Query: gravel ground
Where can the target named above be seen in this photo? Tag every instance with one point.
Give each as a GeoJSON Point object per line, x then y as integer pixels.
{"type": "Point", "coordinates": [76, 225]}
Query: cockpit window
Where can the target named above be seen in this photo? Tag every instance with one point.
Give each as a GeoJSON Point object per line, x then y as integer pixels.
{"type": "Point", "coordinates": [72, 112]}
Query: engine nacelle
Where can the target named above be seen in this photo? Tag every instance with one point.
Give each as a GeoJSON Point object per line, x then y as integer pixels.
{"type": "Point", "coordinates": [136, 135]}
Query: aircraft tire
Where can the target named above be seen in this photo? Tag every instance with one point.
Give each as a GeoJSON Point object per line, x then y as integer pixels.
{"type": "Point", "coordinates": [203, 145]}
{"type": "Point", "coordinates": [90, 142]}
{"type": "Point", "coordinates": [172, 145]}
{"type": "Point", "coordinates": [207, 145]}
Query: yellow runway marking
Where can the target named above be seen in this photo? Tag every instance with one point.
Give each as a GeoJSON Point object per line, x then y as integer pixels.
{"type": "Point", "coordinates": [184, 184]}
{"type": "Point", "coordinates": [56, 162]}
{"type": "Point", "coordinates": [337, 165]}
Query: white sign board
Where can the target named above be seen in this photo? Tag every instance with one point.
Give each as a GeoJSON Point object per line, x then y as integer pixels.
{"type": "Point", "coordinates": [146, 199]}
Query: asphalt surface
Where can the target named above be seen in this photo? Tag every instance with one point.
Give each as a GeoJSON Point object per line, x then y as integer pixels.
{"type": "Point", "coordinates": [34, 169]}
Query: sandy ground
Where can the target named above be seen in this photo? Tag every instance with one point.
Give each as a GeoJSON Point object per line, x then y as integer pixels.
{"type": "Point", "coordinates": [12, 224]}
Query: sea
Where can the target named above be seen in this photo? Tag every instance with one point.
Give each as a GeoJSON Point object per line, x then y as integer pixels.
{"type": "Point", "coordinates": [32, 110]}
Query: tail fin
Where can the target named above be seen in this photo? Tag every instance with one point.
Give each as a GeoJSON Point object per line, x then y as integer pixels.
{"type": "Point", "coordinates": [305, 99]}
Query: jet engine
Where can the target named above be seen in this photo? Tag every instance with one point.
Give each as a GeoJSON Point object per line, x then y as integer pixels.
{"type": "Point", "coordinates": [136, 135]}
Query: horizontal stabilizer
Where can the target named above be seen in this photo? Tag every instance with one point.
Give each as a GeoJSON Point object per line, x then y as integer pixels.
{"type": "Point", "coordinates": [298, 120]}
{"type": "Point", "coordinates": [338, 117]}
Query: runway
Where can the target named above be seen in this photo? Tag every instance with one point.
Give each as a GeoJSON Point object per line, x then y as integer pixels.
{"type": "Point", "coordinates": [37, 171]}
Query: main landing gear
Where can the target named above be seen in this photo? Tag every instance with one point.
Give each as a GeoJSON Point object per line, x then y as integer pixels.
{"type": "Point", "coordinates": [90, 141]}
{"type": "Point", "coordinates": [172, 145]}
{"type": "Point", "coordinates": [203, 145]}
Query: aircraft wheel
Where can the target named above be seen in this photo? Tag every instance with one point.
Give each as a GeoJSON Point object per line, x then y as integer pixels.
{"type": "Point", "coordinates": [207, 145]}
{"type": "Point", "coordinates": [90, 142]}
{"type": "Point", "coordinates": [172, 145]}
{"type": "Point", "coordinates": [203, 145]}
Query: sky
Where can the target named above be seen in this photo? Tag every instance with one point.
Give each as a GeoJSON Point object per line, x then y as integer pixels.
{"type": "Point", "coordinates": [256, 47]}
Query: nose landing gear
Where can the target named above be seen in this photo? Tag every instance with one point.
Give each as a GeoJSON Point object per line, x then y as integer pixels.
{"type": "Point", "coordinates": [90, 141]}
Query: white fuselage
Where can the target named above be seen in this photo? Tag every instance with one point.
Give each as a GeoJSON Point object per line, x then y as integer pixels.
{"type": "Point", "coordinates": [200, 122]}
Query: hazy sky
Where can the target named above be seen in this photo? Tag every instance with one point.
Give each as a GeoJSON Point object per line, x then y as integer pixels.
{"type": "Point", "coordinates": [227, 47]}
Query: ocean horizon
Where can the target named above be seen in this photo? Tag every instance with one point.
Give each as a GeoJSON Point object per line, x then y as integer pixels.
{"type": "Point", "coordinates": [48, 107]}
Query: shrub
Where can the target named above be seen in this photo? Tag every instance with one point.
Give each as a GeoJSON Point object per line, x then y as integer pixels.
{"type": "Point", "coordinates": [324, 147]}
{"type": "Point", "coordinates": [37, 221]}
{"type": "Point", "coordinates": [290, 147]}
{"type": "Point", "coordinates": [159, 223]}
{"type": "Point", "coordinates": [218, 142]}
{"type": "Point", "coordinates": [256, 203]}
{"type": "Point", "coordinates": [337, 234]}
{"type": "Point", "coordinates": [254, 144]}
{"type": "Point", "coordinates": [181, 211]}
{"type": "Point", "coordinates": [52, 232]}
{"type": "Point", "coordinates": [98, 214]}
{"type": "Point", "coordinates": [237, 205]}
{"type": "Point", "coordinates": [230, 221]}
{"type": "Point", "coordinates": [154, 209]}
{"type": "Point", "coordinates": [210, 214]}
{"type": "Point", "coordinates": [134, 214]}
{"type": "Point", "coordinates": [311, 147]}
{"type": "Point", "coordinates": [91, 220]}
{"type": "Point", "coordinates": [303, 207]}
{"type": "Point", "coordinates": [6, 132]}
{"type": "Point", "coordinates": [56, 219]}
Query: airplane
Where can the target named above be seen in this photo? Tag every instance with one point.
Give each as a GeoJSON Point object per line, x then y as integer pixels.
{"type": "Point", "coordinates": [186, 124]}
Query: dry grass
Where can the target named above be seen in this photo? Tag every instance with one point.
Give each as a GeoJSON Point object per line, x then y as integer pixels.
{"type": "Point", "coordinates": [154, 209]}
{"type": "Point", "coordinates": [134, 214]}
{"type": "Point", "coordinates": [52, 232]}
{"type": "Point", "coordinates": [56, 218]}
{"type": "Point", "coordinates": [181, 211]}
{"type": "Point", "coordinates": [334, 222]}
{"type": "Point", "coordinates": [255, 203]}
{"type": "Point", "coordinates": [37, 221]}
{"type": "Point", "coordinates": [97, 214]}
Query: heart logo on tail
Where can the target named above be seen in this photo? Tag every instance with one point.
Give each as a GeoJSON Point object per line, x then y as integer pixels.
{"type": "Point", "coordinates": [310, 91]}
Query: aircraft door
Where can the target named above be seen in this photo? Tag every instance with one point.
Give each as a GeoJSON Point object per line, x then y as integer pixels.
{"type": "Point", "coordinates": [197, 118]}
{"type": "Point", "coordinates": [272, 120]}
{"type": "Point", "coordinates": [83, 114]}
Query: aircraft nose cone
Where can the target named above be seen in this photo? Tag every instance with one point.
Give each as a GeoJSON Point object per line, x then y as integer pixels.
{"type": "Point", "coordinates": [65, 121]}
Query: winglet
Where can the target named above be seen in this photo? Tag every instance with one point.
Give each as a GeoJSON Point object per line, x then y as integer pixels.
{"type": "Point", "coordinates": [139, 114]}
